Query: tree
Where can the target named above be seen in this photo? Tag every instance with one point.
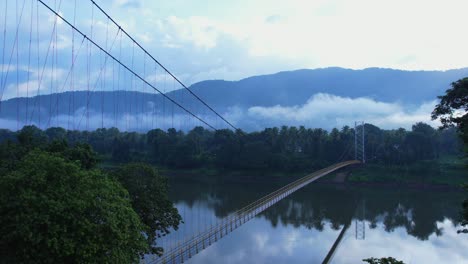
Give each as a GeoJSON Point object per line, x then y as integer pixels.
{"type": "Point", "coordinates": [453, 108]}
{"type": "Point", "coordinates": [388, 260]}
{"type": "Point", "coordinates": [453, 111]}
{"type": "Point", "coordinates": [83, 153]}
{"type": "Point", "coordinates": [56, 133]}
{"type": "Point", "coordinates": [120, 151]}
{"type": "Point", "coordinates": [53, 211]}
{"type": "Point", "coordinates": [31, 137]}
{"type": "Point", "coordinates": [148, 193]}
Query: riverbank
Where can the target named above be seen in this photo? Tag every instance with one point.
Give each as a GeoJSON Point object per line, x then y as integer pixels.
{"type": "Point", "coordinates": [447, 172]}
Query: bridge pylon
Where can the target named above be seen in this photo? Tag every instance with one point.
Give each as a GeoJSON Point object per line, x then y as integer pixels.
{"type": "Point", "coordinates": [359, 141]}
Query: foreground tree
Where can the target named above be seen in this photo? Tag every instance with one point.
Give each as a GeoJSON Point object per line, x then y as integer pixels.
{"type": "Point", "coordinates": [453, 111]}
{"type": "Point", "coordinates": [453, 108]}
{"type": "Point", "coordinates": [148, 193]}
{"type": "Point", "coordinates": [53, 211]}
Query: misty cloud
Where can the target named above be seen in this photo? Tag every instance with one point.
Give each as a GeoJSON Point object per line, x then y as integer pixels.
{"type": "Point", "coordinates": [327, 111]}
{"type": "Point", "coordinates": [141, 122]}
{"type": "Point", "coordinates": [319, 111]}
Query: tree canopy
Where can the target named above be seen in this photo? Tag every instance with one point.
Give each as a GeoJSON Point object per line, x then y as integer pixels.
{"type": "Point", "coordinates": [148, 194]}
{"type": "Point", "coordinates": [286, 149]}
{"type": "Point", "coordinates": [453, 111]}
{"type": "Point", "coordinates": [53, 211]}
{"type": "Point", "coordinates": [453, 107]}
{"type": "Point", "coordinates": [58, 207]}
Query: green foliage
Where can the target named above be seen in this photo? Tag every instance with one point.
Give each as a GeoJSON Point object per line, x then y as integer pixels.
{"type": "Point", "coordinates": [453, 106]}
{"type": "Point", "coordinates": [83, 153]}
{"type": "Point", "coordinates": [53, 211]}
{"type": "Point", "coordinates": [148, 193]}
{"type": "Point", "coordinates": [57, 207]}
{"type": "Point", "coordinates": [31, 137]}
{"type": "Point", "coordinates": [10, 154]}
{"type": "Point", "coordinates": [388, 260]}
{"type": "Point", "coordinates": [285, 149]}
{"type": "Point", "coordinates": [455, 98]}
{"type": "Point", "coordinates": [446, 170]}
{"type": "Point", "coordinates": [453, 111]}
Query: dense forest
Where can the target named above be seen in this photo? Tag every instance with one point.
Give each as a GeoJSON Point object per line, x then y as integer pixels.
{"type": "Point", "coordinates": [288, 149]}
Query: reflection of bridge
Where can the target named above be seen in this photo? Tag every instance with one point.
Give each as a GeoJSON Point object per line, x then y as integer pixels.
{"type": "Point", "coordinates": [359, 232]}
{"type": "Point", "coordinates": [194, 245]}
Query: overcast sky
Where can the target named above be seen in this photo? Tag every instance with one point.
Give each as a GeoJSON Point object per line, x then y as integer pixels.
{"type": "Point", "coordinates": [233, 39]}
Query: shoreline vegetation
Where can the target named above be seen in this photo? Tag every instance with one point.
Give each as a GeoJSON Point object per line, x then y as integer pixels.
{"type": "Point", "coordinates": [447, 173]}
{"type": "Point", "coordinates": [422, 156]}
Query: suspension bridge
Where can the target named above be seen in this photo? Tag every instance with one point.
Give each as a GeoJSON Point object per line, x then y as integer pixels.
{"type": "Point", "coordinates": [98, 75]}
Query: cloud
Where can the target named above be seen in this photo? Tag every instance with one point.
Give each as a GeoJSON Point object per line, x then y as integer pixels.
{"type": "Point", "coordinates": [42, 76]}
{"type": "Point", "coordinates": [198, 39]}
{"type": "Point", "coordinates": [94, 119]}
{"type": "Point", "coordinates": [320, 111]}
{"type": "Point", "coordinates": [200, 32]}
{"type": "Point", "coordinates": [328, 111]}
{"type": "Point", "coordinates": [273, 19]}
{"type": "Point", "coordinates": [128, 3]}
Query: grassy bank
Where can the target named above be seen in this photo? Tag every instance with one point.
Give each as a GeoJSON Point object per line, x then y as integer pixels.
{"type": "Point", "coordinates": [448, 170]}
{"type": "Point", "coordinates": [445, 171]}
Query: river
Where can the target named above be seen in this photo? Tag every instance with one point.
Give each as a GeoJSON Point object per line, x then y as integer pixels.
{"type": "Point", "coordinates": [415, 226]}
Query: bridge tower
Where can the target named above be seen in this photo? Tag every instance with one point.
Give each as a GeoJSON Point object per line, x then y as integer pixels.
{"type": "Point", "coordinates": [359, 145]}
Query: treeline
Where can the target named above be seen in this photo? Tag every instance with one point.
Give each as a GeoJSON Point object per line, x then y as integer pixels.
{"type": "Point", "coordinates": [282, 149]}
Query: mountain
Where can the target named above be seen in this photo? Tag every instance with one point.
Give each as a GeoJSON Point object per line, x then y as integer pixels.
{"type": "Point", "coordinates": [294, 87]}
{"type": "Point", "coordinates": [286, 90]}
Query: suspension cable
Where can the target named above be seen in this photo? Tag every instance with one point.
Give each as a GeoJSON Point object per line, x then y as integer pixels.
{"type": "Point", "coordinates": [155, 60]}
{"type": "Point", "coordinates": [124, 65]}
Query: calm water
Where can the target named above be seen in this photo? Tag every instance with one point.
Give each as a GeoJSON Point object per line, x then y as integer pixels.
{"type": "Point", "coordinates": [415, 226]}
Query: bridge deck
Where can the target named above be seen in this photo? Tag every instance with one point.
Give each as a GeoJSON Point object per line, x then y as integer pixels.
{"type": "Point", "coordinates": [204, 239]}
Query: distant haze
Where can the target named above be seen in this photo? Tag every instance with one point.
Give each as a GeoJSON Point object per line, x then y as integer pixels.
{"type": "Point", "coordinates": [329, 97]}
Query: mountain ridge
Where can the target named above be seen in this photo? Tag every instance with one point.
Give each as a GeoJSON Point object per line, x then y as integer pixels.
{"type": "Point", "coordinates": [409, 89]}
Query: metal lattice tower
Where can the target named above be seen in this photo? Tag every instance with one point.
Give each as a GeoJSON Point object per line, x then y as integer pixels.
{"type": "Point", "coordinates": [359, 141]}
{"type": "Point", "coordinates": [359, 222]}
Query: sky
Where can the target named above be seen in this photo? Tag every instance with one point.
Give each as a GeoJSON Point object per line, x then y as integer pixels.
{"type": "Point", "coordinates": [235, 39]}
{"type": "Point", "coordinates": [213, 39]}
{"type": "Point", "coordinates": [231, 40]}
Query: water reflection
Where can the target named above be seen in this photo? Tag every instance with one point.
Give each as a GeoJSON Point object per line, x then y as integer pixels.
{"type": "Point", "coordinates": [256, 242]}
{"type": "Point", "coordinates": [412, 225]}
